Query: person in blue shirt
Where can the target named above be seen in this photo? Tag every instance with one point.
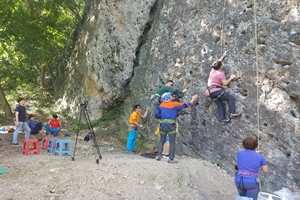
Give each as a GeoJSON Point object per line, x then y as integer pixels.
{"type": "Point", "coordinates": [249, 163]}
{"type": "Point", "coordinates": [167, 113]}
{"type": "Point", "coordinates": [35, 125]}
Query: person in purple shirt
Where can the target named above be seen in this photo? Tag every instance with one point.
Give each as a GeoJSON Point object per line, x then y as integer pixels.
{"type": "Point", "coordinates": [216, 79]}
{"type": "Point", "coordinates": [249, 163]}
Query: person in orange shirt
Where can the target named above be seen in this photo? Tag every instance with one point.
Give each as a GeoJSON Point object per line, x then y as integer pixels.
{"type": "Point", "coordinates": [53, 126]}
{"type": "Point", "coordinates": [133, 126]}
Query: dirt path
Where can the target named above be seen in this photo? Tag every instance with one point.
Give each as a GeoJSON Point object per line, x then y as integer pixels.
{"type": "Point", "coordinates": [118, 176]}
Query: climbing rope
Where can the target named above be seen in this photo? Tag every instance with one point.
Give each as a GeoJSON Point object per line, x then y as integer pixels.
{"type": "Point", "coordinates": [222, 27]}
{"type": "Point", "coordinates": [257, 85]}
{"type": "Point", "coordinates": [256, 63]}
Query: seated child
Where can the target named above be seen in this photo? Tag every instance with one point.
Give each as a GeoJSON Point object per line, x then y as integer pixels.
{"type": "Point", "coordinates": [54, 125]}
{"type": "Point", "coordinates": [35, 125]}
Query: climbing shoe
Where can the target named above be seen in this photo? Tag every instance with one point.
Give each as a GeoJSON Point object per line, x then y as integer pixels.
{"type": "Point", "coordinates": [225, 121]}
{"type": "Point", "coordinates": [157, 157]}
{"type": "Point", "coordinates": [235, 114]}
{"type": "Point", "coordinates": [172, 161]}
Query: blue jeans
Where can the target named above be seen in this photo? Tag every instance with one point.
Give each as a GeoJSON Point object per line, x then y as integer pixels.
{"type": "Point", "coordinates": [54, 131]}
{"type": "Point", "coordinates": [131, 140]}
{"type": "Point", "coordinates": [38, 127]}
{"type": "Point", "coordinates": [25, 127]}
{"type": "Point", "coordinates": [220, 104]}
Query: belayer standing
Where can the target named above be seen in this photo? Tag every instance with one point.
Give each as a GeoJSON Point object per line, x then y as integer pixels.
{"type": "Point", "coordinates": [168, 87]}
{"type": "Point", "coordinates": [249, 163]}
{"type": "Point", "coordinates": [217, 94]}
{"type": "Point", "coordinates": [167, 113]}
{"type": "Point", "coordinates": [133, 126]}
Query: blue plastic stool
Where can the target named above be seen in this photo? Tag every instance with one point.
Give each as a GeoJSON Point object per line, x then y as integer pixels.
{"type": "Point", "coordinates": [52, 144]}
{"type": "Point", "coordinates": [63, 147]}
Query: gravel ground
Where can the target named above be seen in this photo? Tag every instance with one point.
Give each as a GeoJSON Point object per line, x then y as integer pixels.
{"type": "Point", "coordinates": [117, 176]}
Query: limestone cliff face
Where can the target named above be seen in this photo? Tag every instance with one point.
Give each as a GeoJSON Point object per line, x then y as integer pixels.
{"type": "Point", "coordinates": [101, 65]}
{"type": "Point", "coordinates": [128, 49]}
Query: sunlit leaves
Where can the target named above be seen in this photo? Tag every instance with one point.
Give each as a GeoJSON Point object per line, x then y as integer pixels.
{"type": "Point", "coordinates": [34, 34]}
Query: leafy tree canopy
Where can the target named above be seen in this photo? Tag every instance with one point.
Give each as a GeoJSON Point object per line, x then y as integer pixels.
{"type": "Point", "coordinates": [34, 34]}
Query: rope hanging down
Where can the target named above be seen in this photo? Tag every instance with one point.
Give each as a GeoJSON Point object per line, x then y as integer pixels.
{"type": "Point", "coordinates": [257, 86]}
{"type": "Point", "coordinates": [256, 64]}
{"type": "Point", "coordinates": [222, 27]}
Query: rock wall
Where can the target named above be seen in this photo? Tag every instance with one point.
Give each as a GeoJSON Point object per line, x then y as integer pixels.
{"type": "Point", "coordinates": [128, 48]}
{"type": "Point", "coordinates": [101, 64]}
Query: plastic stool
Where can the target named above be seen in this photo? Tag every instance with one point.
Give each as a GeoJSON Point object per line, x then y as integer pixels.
{"type": "Point", "coordinates": [52, 144]}
{"type": "Point", "coordinates": [62, 147]}
{"type": "Point", "coordinates": [45, 143]}
{"type": "Point", "coordinates": [27, 149]}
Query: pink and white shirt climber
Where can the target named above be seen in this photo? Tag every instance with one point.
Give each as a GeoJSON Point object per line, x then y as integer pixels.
{"type": "Point", "coordinates": [215, 78]}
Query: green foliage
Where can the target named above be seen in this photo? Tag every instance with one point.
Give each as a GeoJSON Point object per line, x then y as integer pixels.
{"type": "Point", "coordinates": [145, 36]}
{"type": "Point", "coordinates": [34, 34]}
{"type": "Point", "coordinates": [108, 116]}
{"type": "Point", "coordinates": [151, 20]}
{"type": "Point", "coordinates": [75, 128]}
{"type": "Point", "coordinates": [112, 113]}
{"type": "Point", "coordinates": [1, 117]}
{"type": "Point", "coordinates": [40, 111]}
{"type": "Point", "coordinates": [122, 135]}
{"type": "Point", "coordinates": [44, 104]}
{"type": "Point", "coordinates": [110, 132]}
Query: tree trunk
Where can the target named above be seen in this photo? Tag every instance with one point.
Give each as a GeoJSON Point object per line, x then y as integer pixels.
{"type": "Point", "coordinates": [5, 105]}
{"type": "Point", "coordinates": [42, 77]}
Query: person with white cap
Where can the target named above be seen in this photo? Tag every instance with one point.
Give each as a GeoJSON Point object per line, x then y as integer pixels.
{"type": "Point", "coordinates": [167, 113]}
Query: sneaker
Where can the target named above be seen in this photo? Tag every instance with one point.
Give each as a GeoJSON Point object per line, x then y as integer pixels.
{"type": "Point", "coordinates": [165, 155]}
{"type": "Point", "coordinates": [157, 157]}
{"type": "Point", "coordinates": [130, 152]}
{"type": "Point", "coordinates": [225, 121]}
{"type": "Point", "coordinates": [16, 144]}
{"type": "Point", "coordinates": [235, 114]}
{"type": "Point", "coordinates": [172, 161]}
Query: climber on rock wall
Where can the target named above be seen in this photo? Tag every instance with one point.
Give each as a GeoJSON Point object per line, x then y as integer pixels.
{"type": "Point", "coordinates": [217, 94]}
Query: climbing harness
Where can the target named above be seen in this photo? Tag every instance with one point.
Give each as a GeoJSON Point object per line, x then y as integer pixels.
{"type": "Point", "coordinates": [207, 91]}
{"type": "Point", "coordinates": [170, 121]}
